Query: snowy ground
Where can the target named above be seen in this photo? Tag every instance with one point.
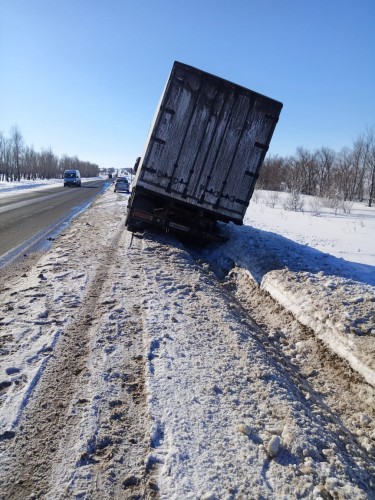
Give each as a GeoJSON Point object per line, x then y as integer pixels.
{"type": "Point", "coordinates": [200, 356]}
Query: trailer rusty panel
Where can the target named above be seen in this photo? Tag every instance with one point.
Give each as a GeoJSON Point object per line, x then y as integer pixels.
{"type": "Point", "coordinates": [208, 141]}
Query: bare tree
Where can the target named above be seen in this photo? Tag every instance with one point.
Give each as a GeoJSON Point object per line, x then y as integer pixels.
{"type": "Point", "coordinates": [30, 163]}
{"type": "Point", "coordinates": [273, 198]}
{"type": "Point", "coordinates": [325, 161]}
{"type": "Point", "coordinates": [316, 205]}
{"type": "Point", "coordinates": [18, 161]}
{"type": "Point", "coordinates": [48, 164]}
{"type": "Point", "coordinates": [292, 175]}
{"type": "Point", "coordinates": [368, 153]}
{"type": "Point", "coordinates": [301, 172]}
{"type": "Point", "coordinates": [371, 168]}
{"type": "Point", "coordinates": [343, 180]}
{"type": "Point", "coordinates": [307, 170]}
{"type": "Point", "coordinates": [271, 173]}
{"type": "Point", "coordinates": [294, 201]}
{"type": "Point", "coordinates": [17, 147]}
{"type": "Point", "coordinates": [358, 171]}
{"type": "Point", "coordinates": [4, 158]}
{"type": "Point", "coordinates": [348, 175]}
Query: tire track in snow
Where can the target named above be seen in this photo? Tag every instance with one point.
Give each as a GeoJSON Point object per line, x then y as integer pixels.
{"type": "Point", "coordinates": [70, 437]}
{"type": "Point", "coordinates": [320, 373]}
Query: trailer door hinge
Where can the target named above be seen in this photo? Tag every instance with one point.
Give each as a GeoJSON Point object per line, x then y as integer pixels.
{"type": "Point", "coordinates": [252, 174]}
{"type": "Point", "coordinates": [159, 141]}
{"type": "Point", "coordinates": [168, 110]}
{"type": "Point", "coordinates": [261, 146]}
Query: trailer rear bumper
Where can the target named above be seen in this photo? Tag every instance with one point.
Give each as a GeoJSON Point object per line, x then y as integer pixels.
{"type": "Point", "coordinates": [146, 211]}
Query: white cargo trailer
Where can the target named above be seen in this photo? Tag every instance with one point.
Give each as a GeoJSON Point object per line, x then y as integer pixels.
{"type": "Point", "coordinates": [202, 157]}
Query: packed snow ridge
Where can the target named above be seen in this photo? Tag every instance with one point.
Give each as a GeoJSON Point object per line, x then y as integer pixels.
{"type": "Point", "coordinates": [332, 296]}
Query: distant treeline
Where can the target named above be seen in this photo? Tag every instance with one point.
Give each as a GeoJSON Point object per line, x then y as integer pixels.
{"type": "Point", "coordinates": [21, 162]}
{"type": "Point", "coordinates": [347, 175]}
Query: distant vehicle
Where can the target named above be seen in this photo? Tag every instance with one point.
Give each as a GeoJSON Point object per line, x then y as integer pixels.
{"type": "Point", "coordinates": [136, 164]}
{"type": "Point", "coordinates": [122, 184]}
{"type": "Point", "coordinates": [202, 158]}
{"type": "Point", "coordinates": [72, 178]}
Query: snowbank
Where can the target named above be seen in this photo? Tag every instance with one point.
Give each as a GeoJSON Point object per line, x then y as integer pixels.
{"type": "Point", "coordinates": [282, 252]}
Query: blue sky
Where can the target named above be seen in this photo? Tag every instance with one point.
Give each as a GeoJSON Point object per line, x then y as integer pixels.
{"type": "Point", "coordinates": [83, 77]}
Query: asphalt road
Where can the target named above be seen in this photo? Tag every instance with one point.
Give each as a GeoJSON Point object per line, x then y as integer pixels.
{"type": "Point", "coordinates": [23, 216]}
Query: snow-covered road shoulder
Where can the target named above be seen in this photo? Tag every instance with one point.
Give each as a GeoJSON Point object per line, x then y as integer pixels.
{"type": "Point", "coordinates": [227, 418]}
